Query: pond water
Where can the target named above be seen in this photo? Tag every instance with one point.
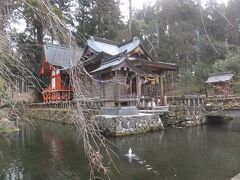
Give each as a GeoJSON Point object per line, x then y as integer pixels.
{"type": "Point", "coordinates": [49, 151]}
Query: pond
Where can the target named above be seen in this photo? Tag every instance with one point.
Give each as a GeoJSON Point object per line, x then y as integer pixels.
{"type": "Point", "coordinates": [49, 151]}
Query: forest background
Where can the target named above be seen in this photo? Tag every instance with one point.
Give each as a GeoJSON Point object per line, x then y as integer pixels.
{"type": "Point", "coordinates": [200, 38]}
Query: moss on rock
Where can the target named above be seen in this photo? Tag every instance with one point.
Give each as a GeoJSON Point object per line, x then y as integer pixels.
{"type": "Point", "coordinates": [7, 126]}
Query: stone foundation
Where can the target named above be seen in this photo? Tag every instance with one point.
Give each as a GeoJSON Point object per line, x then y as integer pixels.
{"type": "Point", "coordinates": [4, 113]}
{"type": "Point", "coordinates": [124, 125]}
{"type": "Point", "coordinates": [183, 116]}
{"type": "Point", "coordinates": [109, 125]}
{"type": "Point", "coordinates": [7, 125]}
{"type": "Point", "coordinates": [119, 111]}
{"type": "Point", "coordinates": [54, 115]}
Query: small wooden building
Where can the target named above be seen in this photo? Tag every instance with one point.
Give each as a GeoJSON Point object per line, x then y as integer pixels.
{"type": "Point", "coordinates": [56, 61]}
{"type": "Point", "coordinates": [222, 83]}
{"type": "Point", "coordinates": [125, 73]}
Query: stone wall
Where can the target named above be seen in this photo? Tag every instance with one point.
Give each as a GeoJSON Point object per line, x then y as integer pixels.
{"type": "Point", "coordinates": [119, 111]}
{"type": "Point", "coordinates": [124, 125]}
{"type": "Point", "coordinates": [184, 116]}
{"type": "Point", "coordinates": [54, 115]}
{"type": "Point", "coordinates": [6, 121]}
{"type": "Point", "coordinates": [4, 113]}
{"type": "Point", "coordinates": [109, 125]}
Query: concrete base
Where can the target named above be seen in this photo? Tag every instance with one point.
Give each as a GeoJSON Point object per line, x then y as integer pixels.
{"type": "Point", "coordinates": [119, 111]}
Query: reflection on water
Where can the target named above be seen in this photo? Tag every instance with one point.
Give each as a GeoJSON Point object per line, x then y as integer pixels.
{"type": "Point", "coordinates": [49, 151]}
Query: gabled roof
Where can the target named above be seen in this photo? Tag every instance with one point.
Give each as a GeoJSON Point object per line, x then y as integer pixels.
{"type": "Point", "coordinates": [117, 61]}
{"type": "Point", "coordinates": [131, 53]}
{"type": "Point", "coordinates": [157, 64]}
{"type": "Point", "coordinates": [61, 55]}
{"type": "Point", "coordinates": [219, 77]}
{"type": "Point", "coordinates": [108, 64]}
{"type": "Point", "coordinates": [111, 47]}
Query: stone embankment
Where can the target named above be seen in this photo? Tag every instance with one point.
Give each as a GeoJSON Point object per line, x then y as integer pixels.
{"type": "Point", "coordinates": [5, 124]}
{"type": "Point", "coordinates": [182, 116]}
{"type": "Point", "coordinates": [109, 125]}
{"type": "Point", "coordinates": [54, 115]}
{"type": "Point", "coordinates": [124, 125]}
{"type": "Point", "coordinates": [185, 111]}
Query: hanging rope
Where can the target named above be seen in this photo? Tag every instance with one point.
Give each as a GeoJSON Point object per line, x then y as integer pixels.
{"type": "Point", "coordinates": [152, 80]}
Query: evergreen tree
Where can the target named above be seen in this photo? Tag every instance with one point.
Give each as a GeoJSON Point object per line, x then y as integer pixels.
{"type": "Point", "coordinates": [100, 18]}
{"type": "Point", "coordinates": [233, 26]}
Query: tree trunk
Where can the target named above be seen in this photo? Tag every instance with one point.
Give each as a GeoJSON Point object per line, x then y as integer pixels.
{"type": "Point", "coordinates": [157, 31]}
{"type": "Point", "coordinates": [39, 34]}
{"type": "Point", "coordinates": [130, 19]}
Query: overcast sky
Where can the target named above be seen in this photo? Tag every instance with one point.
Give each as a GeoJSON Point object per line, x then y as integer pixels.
{"type": "Point", "coordinates": [138, 4]}
{"type": "Point", "coordinates": [124, 4]}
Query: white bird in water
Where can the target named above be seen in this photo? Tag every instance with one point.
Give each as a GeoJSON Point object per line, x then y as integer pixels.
{"type": "Point", "coordinates": [130, 152]}
{"type": "Point", "coordinates": [131, 156]}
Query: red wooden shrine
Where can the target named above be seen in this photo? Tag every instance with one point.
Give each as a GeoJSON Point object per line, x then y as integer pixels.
{"type": "Point", "coordinates": [55, 65]}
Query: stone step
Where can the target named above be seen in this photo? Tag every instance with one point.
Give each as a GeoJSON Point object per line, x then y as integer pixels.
{"type": "Point", "coordinates": [161, 108]}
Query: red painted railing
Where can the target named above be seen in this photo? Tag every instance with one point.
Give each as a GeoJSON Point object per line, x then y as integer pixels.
{"type": "Point", "coordinates": [50, 95]}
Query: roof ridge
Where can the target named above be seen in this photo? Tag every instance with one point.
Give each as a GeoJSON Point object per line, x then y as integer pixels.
{"type": "Point", "coordinates": [62, 46]}
{"type": "Point", "coordinates": [128, 41]}
{"type": "Point", "coordinates": [111, 59]}
{"type": "Point", "coordinates": [220, 73]}
{"type": "Point", "coordinates": [103, 40]}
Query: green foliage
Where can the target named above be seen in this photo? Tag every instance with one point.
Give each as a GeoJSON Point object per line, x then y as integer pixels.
{"type": "Point", "coordinates": [201, 71]}
{"type": "Point", "coordinates": [180, 31]}
{"type": "Point", "coordinates": [233, 27]}
{"type": "Point", "coordinates": [101, 18]}
{"type": "Point", "coordinates": [5, 97]}
{"type": "Point", "coordinates": [237, 89]}
{"type": "Point", "coordinates": [187, 78]}
{"type": "Point", "coordinates": [191, 36]}
{"type": "Point", "coordinates": [177, 34]}
{"type": "Point", "coordinates": [231, 63]}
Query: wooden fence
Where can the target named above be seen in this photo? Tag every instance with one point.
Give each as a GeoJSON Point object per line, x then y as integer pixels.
{"type": "Point", "coordinates": [85, 104]}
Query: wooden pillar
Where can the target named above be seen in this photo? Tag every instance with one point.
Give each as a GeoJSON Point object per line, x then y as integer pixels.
{"type": "Point", "coordinates": [130, 89]}
{"type": "Point", "coordinates": [103, 89]}
{"type": "Point", "coordinates": [138, 85]}
{"type": "Point", "coordinates": [189, 102]}
{"type": "Point", "coordinates": [194, 104]}
{"type": "Point", "coordinates": [130, 86]}
{"type": "Point", "coordinates": [115, 87]}
{"type": "Point", "coordinates": [22, 86]}
{"type": "Point", "coordinates": [161, 90]}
